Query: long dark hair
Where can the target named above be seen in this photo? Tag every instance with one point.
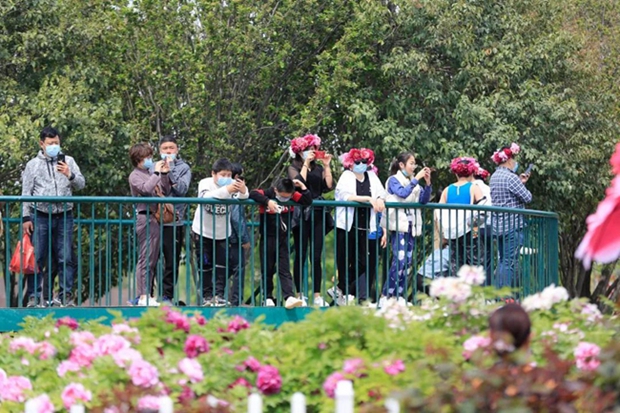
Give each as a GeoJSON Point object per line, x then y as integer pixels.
{"type": "Point", "coordinates": [402, 157]}
{"type": "Point", "coordinates": [298, 162]}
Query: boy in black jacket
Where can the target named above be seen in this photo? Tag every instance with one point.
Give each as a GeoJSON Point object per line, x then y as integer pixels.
{"type": "Point", "coordinates": [274, 230]}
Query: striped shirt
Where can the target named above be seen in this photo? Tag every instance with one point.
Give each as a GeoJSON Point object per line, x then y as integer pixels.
{"type": "Point", "coordinates": [508, 191]}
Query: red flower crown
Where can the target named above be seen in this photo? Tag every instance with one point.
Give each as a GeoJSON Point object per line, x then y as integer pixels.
{"type": "Point", "coordinates": [502, 155]}
{"type": "Point", "coordinates": [298, 145]}
{"type": "Point", "coordinates": [349, 158]}
{"type": "Point", "coordinates": [482, 173]}
{"type": "Point", "coordinates": [464, 166]}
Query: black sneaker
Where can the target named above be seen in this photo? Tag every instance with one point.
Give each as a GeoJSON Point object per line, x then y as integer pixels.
{"type": "Point", "coordinates": [221, 302]}
{"type": "Point", "coordinates": [65, 300]}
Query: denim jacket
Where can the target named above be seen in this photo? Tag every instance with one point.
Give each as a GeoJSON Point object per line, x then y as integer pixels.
{"type": "Point", "coordinates": [239, 225]}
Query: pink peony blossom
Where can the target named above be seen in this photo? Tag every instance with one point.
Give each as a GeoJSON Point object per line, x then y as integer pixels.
{"type": "Point", "coordinates": [237, 324]}
{"type": "Point", "coordinates": [474, 343]}
{"type": "Point", "coordinates": [473, 275]}
{"type": "Point", "coordinates": [195, 345]}
{"type": "Point", "coordinates": [46, 350]}
{"type": "Point", "coordinates": [109, 344]}
{"type": "Point", "coordinates": [269, 380]}
{"type": "Point", "coordinates": [23, 343]}
{"type": "Point", "coordinates": [592, 312]}
{"type": "Point", "coordinates": [252, 364]}
{"type": "Point", "coordinates": [394, 367]}
{"type": "Point", "coordinates": [66, 366]}
{"type": "Point", "coordinates": [123, 328]}
{"type": "Point", "coordinates": [73, 393]}
{"type": "Point", "coordinates": [13, 387]}
{"type": "Point", "coordinates": [586, 356]}
{"type": "Point", "coordinates": [329, 386]}
{"type": "Point", "coordinates": [83, 354]}
{"type": "Point", "coordinates": [68, 322]}
{"type": "Point", "coordinates": [125, 357]}
{"type": "Point", "coordinates": [322, 346]}
{"type": "Point", "coordinates": [81, 337]}
{"type": "Point", "coordinates": [353, 366]}
{"type": "Point", "coordinates": [227, 350]}
{"type": "Point", "coordinates": [200, 320]}
{"type": "Point", "coordinates": [241, 381]}
{"type": "Point", "coordinates": [42, 404]}
{"type": "Point", "coordinates": [192, 369]}
{"type": "Point", "coordinates": [143, 374]}
{"type": "Point", "coordinates": [187, 395]}
{"type": "Point", "coordinates": [149, 403]}
{"type": "Point", "coordinates": [180, 321]}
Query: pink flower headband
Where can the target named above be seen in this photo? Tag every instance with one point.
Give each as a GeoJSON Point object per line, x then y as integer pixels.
{"type": "Point", "coordinates": [298, 145]}
{"type": "Point", "coordinates": [502, 155]}
{"type": "Point", "coordinates": [349, 158]}
{"type": "Point", "coordinates": [464, 166]}
{"type": "Point", "coordinates": [482, 173]}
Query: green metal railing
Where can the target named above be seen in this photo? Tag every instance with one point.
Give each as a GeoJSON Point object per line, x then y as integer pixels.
{"type": "Point", "coordinates": [106, 250]}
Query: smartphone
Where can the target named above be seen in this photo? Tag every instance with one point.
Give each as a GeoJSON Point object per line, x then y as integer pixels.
{"type": "Point", "coordinates": [529, 169]}
{"type": "Point", "coordinates": [240, 178]}
{"type": "Point", "coordinates": [319, 154]}
{"type": "Point", "coordinates": [61, 158]}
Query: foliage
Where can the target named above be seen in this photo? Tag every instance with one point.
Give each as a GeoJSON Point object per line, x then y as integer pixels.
{"type": "Point", "coordinates": [224, 359]}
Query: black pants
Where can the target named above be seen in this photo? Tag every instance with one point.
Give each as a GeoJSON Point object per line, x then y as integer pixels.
{"type": "Point", "coordinates": [274, 251]}
{"type": "Point", "coordinates": [211, 254]}
{"type": "Point", "coordinates": [357, 258]}
{"type": "Point", "coordinates": [237, 265]}
{"type": "Point", "coordinates": [172, 245]}
{"type": "Point", "coordinates": [464, 250]}
{"type": "Point", "coordinates": [305, 234]}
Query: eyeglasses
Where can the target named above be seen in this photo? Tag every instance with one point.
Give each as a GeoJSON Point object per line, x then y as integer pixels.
{"type": "Point", "coordinates": [361, 161]}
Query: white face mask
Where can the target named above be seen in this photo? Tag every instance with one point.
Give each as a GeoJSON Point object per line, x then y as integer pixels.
{"type": "Point", "coordinates": [283, 198]}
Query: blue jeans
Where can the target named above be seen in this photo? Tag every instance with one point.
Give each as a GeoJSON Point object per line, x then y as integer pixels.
{"type": "Point", "coordinates": [58, 229]}
{"type": "Point", "coordinates": [508, 245]}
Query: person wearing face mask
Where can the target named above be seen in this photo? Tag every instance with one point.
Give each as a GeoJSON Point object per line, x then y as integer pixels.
{"type": "Point", "coordinates": [212, 228]}
{"type": "Point", "coordinates": [274, 232]}
{"type": "Point", "coordinates": [180, 177]}
{"type": "Point", "coordinates": [310, 225]}
{"type": "Point", "coordinates": [404, 224]}
{"type": "Point", "coordinates": [45, 175]}
{"type": "Point", "coordinates": [143, 183]}
{"type": "Point", "coordinates": [358, 183]}
{"type": "Point", "coordinates": [508, 190]}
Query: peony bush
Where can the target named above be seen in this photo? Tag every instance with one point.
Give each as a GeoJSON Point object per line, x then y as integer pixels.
{"type": "Point", "coordinates": [213, 365]}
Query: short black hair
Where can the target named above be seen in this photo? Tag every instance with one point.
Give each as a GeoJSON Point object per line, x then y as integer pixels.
{"type": "Point", "coordinates": [237, 169]}
{"type": "Point", "coordinates": [285, 185]}
{"type": "Point", "coordinates": [48, 132]}
{"type": "Point", "coordinates": [168, 138]}
{"type": "Point", "coordinates": [222, 164]}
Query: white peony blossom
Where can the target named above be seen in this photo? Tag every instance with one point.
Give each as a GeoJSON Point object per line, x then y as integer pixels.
{"type": "Point", "coordinates": [472, 275]}
{"type": "Point", "coordinates": [454, 289]}
{"type": "Point", "coordinates": [545, 299]}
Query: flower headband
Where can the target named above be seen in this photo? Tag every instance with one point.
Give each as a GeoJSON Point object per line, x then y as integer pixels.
{"type": "Point", "coordinates": [298, 145]}
{"type": "Point", "coordinates": [464, 166]}
{"type": "Point", "coordinates": [482, 173]}
{"type": "Point", "coordinates": [349, 158]}
{"type": "Point", "coordinates": [502, 155]}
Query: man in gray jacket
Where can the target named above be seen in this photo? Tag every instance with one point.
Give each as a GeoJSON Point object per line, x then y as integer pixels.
{"type": "Point", "coordinates": [51, 174]}
{"type": "Point", "coordinates": [180, 177]}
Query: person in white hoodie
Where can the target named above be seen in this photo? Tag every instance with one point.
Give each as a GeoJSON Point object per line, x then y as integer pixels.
{"type": "Point", "coordinates": [404, 224]}
{"type": "Point", "coordinates": [357, 184]}
{"type": "Point", "coordinates": [212, 226]}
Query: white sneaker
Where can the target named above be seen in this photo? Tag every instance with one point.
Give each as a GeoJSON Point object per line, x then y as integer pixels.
{"type": "Point", "coordinates": [293, 302]}
{"type": "Point", "coordinates": [150, 302]}
{"type": "Point", "coordinates": [269, 303]}
{"type": "Point", "coordinates": [346, 300]}
{"type": "Point", "coordinates": [382, 302]}
{"type": "Point", "coordinates": [319, 302]}
{"type": "Point", "coordinates": [304, 301]}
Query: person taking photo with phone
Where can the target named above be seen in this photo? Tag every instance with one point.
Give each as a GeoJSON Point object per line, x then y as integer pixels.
{"type": "Point", "coordinates": [508, 190]}
{"type": "Point", "coordinates": [310, 224]}
{"type": "Point", "coordinates": [53, 174]}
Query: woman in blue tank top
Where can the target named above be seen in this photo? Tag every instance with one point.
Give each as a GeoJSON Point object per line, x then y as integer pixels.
{"type": "Point", "coordinates": [456, 223]}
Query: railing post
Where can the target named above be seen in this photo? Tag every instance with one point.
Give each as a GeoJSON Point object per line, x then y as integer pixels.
{"type": "Point", "coordinates": [165, 405]}
{"type": "Point", "coordinates": [392, 405]}
{"type": "Point", "coordinates": [298, 403]}
{"type": "Point", "coordinates": [344, 397]}
{"type": "Point", "coordinates": [255, 403]}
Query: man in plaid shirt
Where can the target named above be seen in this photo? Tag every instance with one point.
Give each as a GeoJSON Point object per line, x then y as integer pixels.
{"type": "Point", "coordinates": [508, 190]}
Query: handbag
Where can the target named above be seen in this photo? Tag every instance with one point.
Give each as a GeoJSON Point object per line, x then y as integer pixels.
{"type": "Point", "coordinates": [23, 257]}
{"type": "Point", "coordinates": [165, 213]}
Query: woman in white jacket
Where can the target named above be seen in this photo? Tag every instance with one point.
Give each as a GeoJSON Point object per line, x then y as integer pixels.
{"type": "Point", "coordinates": [356, 184]}
{"type": "Point", "coordinates": [405, 224]}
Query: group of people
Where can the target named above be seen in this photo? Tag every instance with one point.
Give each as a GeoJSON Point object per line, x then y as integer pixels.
{"type": "Point", "coordinates": [221, 237]}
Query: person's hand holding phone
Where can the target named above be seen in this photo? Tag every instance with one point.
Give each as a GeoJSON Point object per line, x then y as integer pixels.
{"type": "Point", "coordinates": [240, 185]}
{"type": "Point", "coordinates": [525, 176]}
{"type": "Point", "coordinates": [62, 166]}
{"type": "Point", "coordinates": [326, 159]}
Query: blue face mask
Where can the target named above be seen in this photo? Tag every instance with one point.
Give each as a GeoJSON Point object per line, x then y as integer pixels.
{"type": "Point", "coordinates": [305, 154]}
{"type": "Point", "coordinates": [52, 150]}
{"type": "Point", "coordinates": [148, 163]}
{"type": "Point", "coordinates": [172, 156]}
{"type": "Point", "coordinates": [224, 181]}
{"type": "Point", "coordinates": [405, 173]}
{"type": "Point", "coordinates": [360, 168]}
{"type": "Point", "coordinates": [516, 167]}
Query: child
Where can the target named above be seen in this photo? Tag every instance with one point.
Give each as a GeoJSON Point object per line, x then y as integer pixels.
{"type": "Point", "coordinates": [405, 224]}
{"type": "Point", "coordinates": [274, 230]}
{"type": "Point", "coordinates": [212, 226]}
{"type": "Point", "coordinates": [239, 242]}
